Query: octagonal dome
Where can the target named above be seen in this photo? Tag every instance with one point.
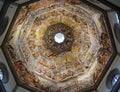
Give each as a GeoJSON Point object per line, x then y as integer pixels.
{"type": "Point", "coordinates": [73, 64]}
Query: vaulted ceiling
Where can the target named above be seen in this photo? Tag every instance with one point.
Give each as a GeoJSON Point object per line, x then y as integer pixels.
{"type": "Point", "coordinates": [58, 45]}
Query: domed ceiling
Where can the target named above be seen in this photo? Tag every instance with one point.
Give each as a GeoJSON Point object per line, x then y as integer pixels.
{"type": "Point", "coordinates": [58, 45]}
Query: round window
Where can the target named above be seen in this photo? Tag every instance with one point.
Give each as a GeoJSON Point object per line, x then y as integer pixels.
{"type": "Point", "coordinates": [59, 38]}
{"type": "Point", "coordinates": [4, 76]}
{"type": "Point", "coordinates": [1, 75]}
{"type": "Point", "coordinates": [115, 79]}
{"type": "Point", "coordinates": [112, 78]}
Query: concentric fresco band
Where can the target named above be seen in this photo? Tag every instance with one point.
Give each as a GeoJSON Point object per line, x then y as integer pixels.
{"type": "Point", "coordinates": [59, 46]}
